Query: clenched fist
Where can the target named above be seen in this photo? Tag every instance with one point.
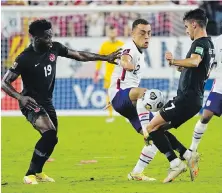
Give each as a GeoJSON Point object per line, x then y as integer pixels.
{"type": "Point", "coordinates": [169, 57]}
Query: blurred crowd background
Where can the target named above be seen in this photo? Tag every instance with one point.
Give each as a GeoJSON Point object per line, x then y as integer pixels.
{"type": "Point", "coordinates": [14, 26]}
{"type": "Point", "coordinates": [95, 25]}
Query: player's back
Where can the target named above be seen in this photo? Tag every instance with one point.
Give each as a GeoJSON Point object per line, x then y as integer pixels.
{"type": "Point", "coordinates": [218, 71]}
{"type": "Point", "coordinates": [192, 80]}
{"type": "Point", "coordinates": [122, 79]}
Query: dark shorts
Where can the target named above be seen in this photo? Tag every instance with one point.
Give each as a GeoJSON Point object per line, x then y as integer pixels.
{"type": "Point", "coordinates": [123, 105]}
{"type": "Point", "coordinates": [214, 103]}
{"type": "Point", "coordinates": [46, 109]}
{"type": "Point", "coordinates": [180, 109]}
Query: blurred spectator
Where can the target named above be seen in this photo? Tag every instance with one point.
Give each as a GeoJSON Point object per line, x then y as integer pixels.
{"type": "Point", "coordinates": [95, 24]}
{"type": "Point", "coordinates": [214, 13]}
{"type": "Point", "coordinates": [59, 25]}
{"type": "Point", "coordinates": [117, 20]}
{"type": "Point", "coordinates": [11, 2]}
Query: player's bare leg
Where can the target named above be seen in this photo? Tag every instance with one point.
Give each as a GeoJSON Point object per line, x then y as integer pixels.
{"type": "Point", "coordinates": [43, 149]}
{"type": "Point", "coordinates": [200, 128]}
{"type": "Point", "coordinates": [136, 93]}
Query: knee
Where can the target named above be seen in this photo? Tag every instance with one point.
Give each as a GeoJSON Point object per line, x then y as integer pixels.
{"type": "Point", "coordinates": [51, 137]}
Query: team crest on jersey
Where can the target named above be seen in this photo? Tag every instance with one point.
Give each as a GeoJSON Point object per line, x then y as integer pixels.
{"type": "Point", "coordinates": [52, 57]}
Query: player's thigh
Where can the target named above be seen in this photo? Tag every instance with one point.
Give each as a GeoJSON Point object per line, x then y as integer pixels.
{"type": "Point", "coordinates": [179, 110]}
{"type": "Point", "coordinates": [39, 119]}
{"type": "Point", "coordinates": [43, 123]}
{"type": "Point", "coordinates": [52, 115]}
{"type": "Point", "coordinates": [124, 106]}
{"type": "Point", "coordinates": [136, 93]}
{"type": "Point", "coordinates": [213, 104]}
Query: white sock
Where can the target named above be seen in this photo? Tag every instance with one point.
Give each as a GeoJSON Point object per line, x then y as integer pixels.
{"type": "Point", "coordinates": [143, 113]}
{"type": "Point", "coordinates": [146, 156]}
{"type": "Point", "coordinates": [174, 163]}
{"type": "Point", "coordinates": [199, 130]}
{"type": "Point", "coordinates": [187, 154]}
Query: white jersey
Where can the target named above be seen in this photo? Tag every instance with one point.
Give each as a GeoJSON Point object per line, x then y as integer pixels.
{"type": "Point", "coordinates": [122, 79]}
{"type": "Point", "coordinates": [217, 87]}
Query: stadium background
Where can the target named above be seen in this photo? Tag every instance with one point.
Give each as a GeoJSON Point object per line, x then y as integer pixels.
{"type": "Point", "coordinates": [115, 146]}
{"type": "Point", "coordinates": [74, 89]}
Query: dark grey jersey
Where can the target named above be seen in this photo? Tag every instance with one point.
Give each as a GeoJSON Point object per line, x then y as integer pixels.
{"type": "Point", "coordinates": [192, 80]}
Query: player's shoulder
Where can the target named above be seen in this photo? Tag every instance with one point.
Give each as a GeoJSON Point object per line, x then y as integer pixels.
{"type": "Point", "coordinates": [25, 54]}
{"type": "Point", "coordinates": [203, 41]}
{"type": "Point", "coordinates": [56, 44]}
{"type": "Point", "coordinates": [129, 45]}
{"type": "Point", "coordinates": [105, 43]}
{"type": "Point", "coordinates": [120, 42]}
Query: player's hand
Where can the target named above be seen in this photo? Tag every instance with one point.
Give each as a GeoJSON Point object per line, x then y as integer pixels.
{"type": "Point", "coordinates": [169, 57]}
{"type": "Point", "coordinates": [113, 56]}
{"type": "Point", "coordinates": [180, 68]}
{"type": "Point", "coordinates": [28, 103]}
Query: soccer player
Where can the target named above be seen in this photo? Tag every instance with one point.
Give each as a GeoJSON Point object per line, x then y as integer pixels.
{"type": "Point", "coordinates": [213, 104]}
{"type": "Point", "coordinates": [37, 67]}
{"type": "Point", "coordinates": [108, 47]}
{"type": "Point", "coordinates": [188, 102]}
{"type": "Point", "coordinates": [125, 95]}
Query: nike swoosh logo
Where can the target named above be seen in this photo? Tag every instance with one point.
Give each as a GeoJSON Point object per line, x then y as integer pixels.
{"type": "Point", "coordinates": [37, 64]}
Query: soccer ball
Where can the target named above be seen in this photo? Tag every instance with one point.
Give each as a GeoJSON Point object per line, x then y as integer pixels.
{"type": "Point", "coordinates": [153, 100]}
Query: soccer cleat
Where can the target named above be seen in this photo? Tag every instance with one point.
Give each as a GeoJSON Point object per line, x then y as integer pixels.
{"type": "Point", "coordinates": [193, 165]}
{"type": "Point", "coordinates": [42, 177]}
{"type": "Point", "coordinates": [139, 177]}
{"type": "Point", "coordinates": [110, 119]}
{"type": "Point", "coordinates": [30, 179]}
{"type": "Point", "coordinates": [174, 172]}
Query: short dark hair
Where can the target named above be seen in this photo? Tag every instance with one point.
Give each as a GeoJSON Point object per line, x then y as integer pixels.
{"type": "Point", "coordinates": [140, 21]}
{"type": "Point", "coordinates": [39, 26]}
{"type": "Point", "coordinates": [199, 15]}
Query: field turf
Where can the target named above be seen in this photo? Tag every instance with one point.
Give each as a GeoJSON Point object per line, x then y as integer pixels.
{"type": "Point", "coordinates": [115, 146]}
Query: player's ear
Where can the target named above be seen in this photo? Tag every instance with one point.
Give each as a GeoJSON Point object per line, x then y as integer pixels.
{"type": "Point", "coordinates": [36, 39]}
{"type": "Point", "coordinates": [194, 24]}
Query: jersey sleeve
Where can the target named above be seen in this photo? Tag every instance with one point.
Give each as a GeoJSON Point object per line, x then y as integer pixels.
{"type": "Point", "coordinates": [61, 49]}
{"type": "Point", "coordinates": [17, 65]}
{"type": "Point", "coordinates": [198, 48]}
{"type": "Point", "coordinates": [128, 50]}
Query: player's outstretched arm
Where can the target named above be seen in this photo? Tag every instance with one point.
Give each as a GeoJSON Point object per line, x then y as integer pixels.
{"type": "Point", "coordinates": [87, 56]}
{"type": "Point", "coordinates": [25, 101]}
{"type": "Point", "coordinates": [191, 62]}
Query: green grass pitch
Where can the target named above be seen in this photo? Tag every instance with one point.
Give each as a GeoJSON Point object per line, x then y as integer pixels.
{"type": "Point", "coordinates": [116, 147]}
